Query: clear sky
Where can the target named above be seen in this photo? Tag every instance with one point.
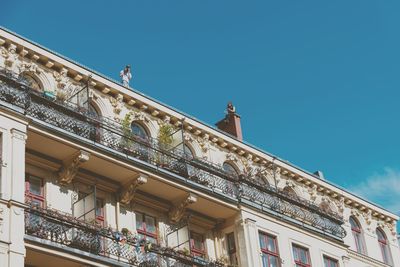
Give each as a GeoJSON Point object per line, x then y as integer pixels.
{"type": "Point", "coordinates": [316, 82]}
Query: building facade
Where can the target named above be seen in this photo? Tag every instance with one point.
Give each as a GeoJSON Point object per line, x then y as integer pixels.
{"type": "Point", "coordinates": [96, 174]}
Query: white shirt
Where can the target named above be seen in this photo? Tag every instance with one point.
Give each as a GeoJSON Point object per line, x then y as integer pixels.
{"type": "Point", "coordinates": [125, 76]}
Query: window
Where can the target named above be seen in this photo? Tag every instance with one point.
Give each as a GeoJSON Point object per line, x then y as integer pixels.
{"type": "Point", "coordinates": [358, 236]}
{"type": "Point", "coordinates": [146, 227]}
{"type": "Point", "coordinates": [99, 211]}
{"type": "Point", "coordinates": [188, 151]}
{"type": "Point", "coordinates": [329, 262]}
{"type": "Point", "coordinates": [230, 238]}
{"type": "Point", "coordinates": [139, 131]}
{"type": "Point", "coordinates": [32, 82]}
{"type": "Point", "coordinates": [301, 256]}
{"type": "Point", "coordinates": [230, 170]}
{"type": "Point", "coordinates": [34, 192]}
{"type": "Point", "coordinates": [197, 245]}
{"type": "Point", "coordinates": [383, 244]}
{"type": "Point", "coordinates": [269, 250]}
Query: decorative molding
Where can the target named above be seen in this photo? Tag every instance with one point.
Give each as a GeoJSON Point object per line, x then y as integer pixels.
{"type": "Point", "coordinates": [117, 103]}
{"type": "Point", "coordinates": [128, 191]}
{"type": "Point", "coordinates": [17, 134]}
{"type": "Point", "coordinates": [70, 167]}
{"type": "Point", "coordinates": [10, 55]}
{"type": "Point", "coordinates": [177, 212]}
{"type": "Point", "coordinates": [1, 219]}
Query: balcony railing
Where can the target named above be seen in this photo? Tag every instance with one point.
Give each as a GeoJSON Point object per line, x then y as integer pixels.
{"type": "Point", "coordinates": [67, 118]}
{"type": "Point", "coordinates": [68, 232]}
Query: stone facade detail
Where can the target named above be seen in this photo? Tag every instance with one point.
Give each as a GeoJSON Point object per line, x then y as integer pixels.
{"type": "Point", "coordinates": [128, 191]}
{"type": "Point", "coordinates": [71, 166]}
{"type": "Point", "coordinates": [177, 212]}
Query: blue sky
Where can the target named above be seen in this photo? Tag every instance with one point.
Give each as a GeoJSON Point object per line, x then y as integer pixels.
{"type": "Point", "coordinates": [316, 82]}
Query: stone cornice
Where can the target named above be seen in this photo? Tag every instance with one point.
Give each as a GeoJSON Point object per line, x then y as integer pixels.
{"type": "Point", "coordinates": [55, 62]}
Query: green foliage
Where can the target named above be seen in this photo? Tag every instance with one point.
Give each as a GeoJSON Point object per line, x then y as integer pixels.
{"type": "Point", "coordinates": [126, 140]}
{"type": "Point", "coordinates": [165, 135]}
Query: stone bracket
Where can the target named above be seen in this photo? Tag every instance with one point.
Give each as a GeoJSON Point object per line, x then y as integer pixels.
{"type": "Point", "coordinates": [177, 212]}
{"type": "Point", "coordinates": [128, 192]}
{"type": "Point", "coordinates": [71, 166]}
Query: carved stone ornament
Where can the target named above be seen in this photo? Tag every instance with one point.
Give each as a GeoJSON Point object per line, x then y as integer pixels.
{"type": "Point", "coordinates": [187, 137]}
{"type": "Point", "coordinates": [70, 167]}
{"type": "Point", "coordinates": [177, 212]}
{"type": "Point", "coordinates": [231, 157]}
{"type": "Point", "coordinates": [340, 205]}
{"type": "Point", "coordinates": [368, 218]}
{"type": "Point", "coordinates": [204, 143]}
{"type": "Point", "coordinates": [117, 103]}
{"type": "Point", "coordinates": [30, 67]}
{"type": "Point", "coordinates": [312, 190]}
{"type": "Point", "coordinates": [128, 192]}
{"type": "Point", "coordinates": [62, 79]}
{"type": "Point", "coordinates": [10, 55]}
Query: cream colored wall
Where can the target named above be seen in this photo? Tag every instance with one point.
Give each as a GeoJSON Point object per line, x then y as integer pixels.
{"type": "Point", "coordinates": [13, 136]}
{"type": "Point", "coordinates": [205, 148]}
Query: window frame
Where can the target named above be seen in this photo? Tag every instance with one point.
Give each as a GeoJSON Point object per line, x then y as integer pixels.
{"type": "Point", "coordinates": [197, 252]}
{"type": "Point", "coordinates": [266, 251]}
{"type": "Point", "coordinates": [143, 231]}
{"type": "Point", "coordinates": [32, 196]}
{"type": "Point", "coordinates": [146, 138]}
{"type": "Point", "coordinates": [384, 246]}
{"type": "Point", "coordinates": [357, 234]}
{"type": "Point", "coordinates": [231, 250]}
{"type": "Point", "coordinates": [331, 260]}
{"type": "Point", "coordinates": [295, 248]}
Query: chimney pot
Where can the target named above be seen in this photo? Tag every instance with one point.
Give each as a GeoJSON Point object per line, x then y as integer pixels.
{"type": "Point", "coordinates": [231, 123]}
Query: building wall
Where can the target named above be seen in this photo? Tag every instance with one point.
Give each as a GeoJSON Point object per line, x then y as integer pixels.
{"type": "Point", "coordinates": [206, 143]}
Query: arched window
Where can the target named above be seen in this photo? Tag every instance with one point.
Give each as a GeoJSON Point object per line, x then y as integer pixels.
{"type": "Point", "coordinates": [383, 244]}
{"type": "Point", "coordinates": [358, 235]}
{"type": "Point", "coordinates": [230, 170]}
{"type": "Point", "coordinates": [139, 131]}
{"type": "Point", "coordinates": [32, 82]}
{"type": "Point", "coordinates": [93, 112]}
{"type": "Point", "coordinates": [188, 152]}
{"type": "Point", "coordinates": [289, 191]}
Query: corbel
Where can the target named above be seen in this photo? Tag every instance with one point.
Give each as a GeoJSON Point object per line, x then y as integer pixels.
{"type": "Point", "coordinates": [177, 212]}
{"type": "Point", "coordinates": [71, 166]}
{"type": "Point", "coordinates": [128, 192]}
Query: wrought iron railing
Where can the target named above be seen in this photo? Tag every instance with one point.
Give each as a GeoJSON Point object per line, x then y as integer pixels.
{"type": "Point", "coordinates": [243, 188]}
{"type": "Point", "coordinates": [69, 232]}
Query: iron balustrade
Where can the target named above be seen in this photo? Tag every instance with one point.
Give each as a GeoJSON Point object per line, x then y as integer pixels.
{"type": "Point", "coordinates": [69, 232]}
{"type": "Point", "coordinates": [241, 188]}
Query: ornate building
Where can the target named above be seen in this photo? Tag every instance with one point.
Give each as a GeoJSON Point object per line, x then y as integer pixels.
{"type": "Point", "coordinates": [96, 174]}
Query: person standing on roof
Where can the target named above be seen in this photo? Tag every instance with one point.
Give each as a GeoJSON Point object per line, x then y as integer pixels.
{"type": "Point", "coordinates": [126, 75]}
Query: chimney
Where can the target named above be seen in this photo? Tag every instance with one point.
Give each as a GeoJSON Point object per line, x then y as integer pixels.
{"type": "Point", "coordinates": [231, 123]}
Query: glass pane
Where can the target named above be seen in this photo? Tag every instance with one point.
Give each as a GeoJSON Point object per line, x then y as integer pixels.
{"type": "Point", "coordinates": [151, 239]}
{"type": "Point", "coordinates": [230, 169]}
{"type": "Point", "coordinates": [150, 225]}
{"type": "Point", "coordinates": [262, 241]}
{"type": "Point", "coordinates": [303, 256]}
{"type": "Point", "coordinates": [99, 207]}
{"type": "Point", "coordinates": [273, 261]}
{"type": "Point", "coordinates": [187, 151]}
{"type": "Point", "coordinates": [139, 221]}
{"type": "Point", "coordinates": [35, 186]}
{"type": "Point", "coordinates": [295, 254]}
{"type": "Point", "coordinates": [231, 242]}
{"type": "Point", "coordinates": [265, 260]}
{"type": "Point", "coordinates": [138, 130]}
{"type": "Point", "coordinates": [271, 244]}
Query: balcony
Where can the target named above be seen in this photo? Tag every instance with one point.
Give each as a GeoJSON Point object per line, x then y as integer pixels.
{"type": "Point", "coordinates": [55, 229]}
{"type": "Point", "coordinates": [76, 122]}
